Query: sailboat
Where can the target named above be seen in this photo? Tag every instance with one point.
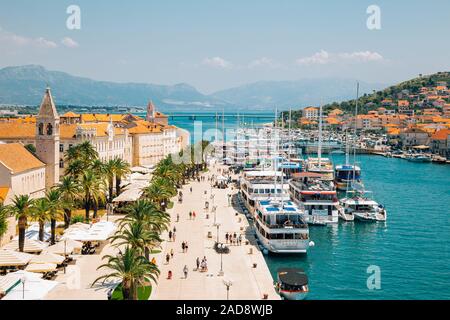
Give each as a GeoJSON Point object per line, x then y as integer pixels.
{"type": "Point", "coordinates": [348, 176]}
{"type": "Point", "coordinates": [321, 165]}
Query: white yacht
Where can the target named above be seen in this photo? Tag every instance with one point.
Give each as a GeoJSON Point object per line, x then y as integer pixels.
{"type": "Point", "coordinates": [280, 226]}
{"type": "Point", "coordinates": [317, 196]}
{"type": "Point", "coordinates": [361, 207]}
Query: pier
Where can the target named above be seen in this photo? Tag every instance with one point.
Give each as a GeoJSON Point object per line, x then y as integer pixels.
{"type": "Point", "coordinates": [220, 116]}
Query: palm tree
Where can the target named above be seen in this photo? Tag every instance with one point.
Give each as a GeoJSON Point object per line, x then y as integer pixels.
{"type": "Point", "coordinates": [70, 190]}
{"type": "Point", "coordinates": [75, 168]}
{"type": "Point", "coordinates": [110, 170]}
{"type": "Point", "coordinates": [92, 190]}
{"type": "Point", "coordinates": [87, 152]}
{"type": "Point", "coordinates": [137, 235]}
{"type": "Point", "coordinates": [121, 168]}
{"type": "Point", "coordinates": [3, 220]}
{"type": "Point", "coordinates": [147, 213]}
{"type": "Point", "coordinates": [99, 169]}
{"type": "Point", "coordinates": [53, 198]}
{"type": "Point", "coordinates": [41, 215]}
{"type": "Point", "coordinates": [22, 208]}
{"type": "Point", "coordinates": [159, 192]}
{"type": "Point", "coordinates": [132, 269]}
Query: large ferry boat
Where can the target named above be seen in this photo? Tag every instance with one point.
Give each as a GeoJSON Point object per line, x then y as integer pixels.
{"type": "Point", "coordinates": [262, 185]}
{"type": "Point", "coordinates": [345, 174]}
{"type": "Point", "coordinates": [280, 227]}
{"type": "Point", "coordinates": [317, 196]}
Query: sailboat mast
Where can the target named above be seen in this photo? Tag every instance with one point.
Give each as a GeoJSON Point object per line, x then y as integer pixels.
{"type": "Point", "coordinates": [319, 149]}
{"type": "Point", "coordinates": [356, 126]}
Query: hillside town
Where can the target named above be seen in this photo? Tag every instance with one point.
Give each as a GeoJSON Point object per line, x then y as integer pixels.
{"type": "Point", "coordinates": [408, 119]}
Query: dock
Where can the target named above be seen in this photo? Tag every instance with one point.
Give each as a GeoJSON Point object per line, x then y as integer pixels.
{"type": "Point", "coordinates": [245, 266]}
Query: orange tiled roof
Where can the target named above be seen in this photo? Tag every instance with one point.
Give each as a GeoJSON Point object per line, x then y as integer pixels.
{"type": "Point", "coordinates": [70, 114]}
{"type": "Point", "coordinates": [3, 193]}
{"type": "Point", "coordinates": [17, 159]}
{"type": "Point", "coordinates": [441, 134]}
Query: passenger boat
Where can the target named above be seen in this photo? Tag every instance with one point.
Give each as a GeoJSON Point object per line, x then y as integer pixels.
{"type": "Point", "coordinates": [345, 174]}
{"type": "Point", "coordinates": [418, 157]}
{"type": "Point", "coordinates": [317, 196]}
{"type": "Point", "coordinates": [292, 283]}
{"type": "Point", "coordinates": [280, 227]}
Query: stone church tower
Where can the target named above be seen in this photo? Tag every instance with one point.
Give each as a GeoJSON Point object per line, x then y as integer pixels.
{"type": "Point", "coordinates": [47, 139]}
{"type": "Point", "coordinates": [151, 110]}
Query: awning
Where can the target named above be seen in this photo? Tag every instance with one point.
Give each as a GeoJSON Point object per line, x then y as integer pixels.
{"type": "Point", "coordinates": [10, 258]}
{"type": "Point", "coordinates": [100, 231]}
{"type": "Point", "coordinates": [306, 174]}
{"type": "Point", "coordinates": [8, 282]}
{"type": "Point", "coordinates": [41, 267]}
{"type": "Point", "coordinates": [32, 287]}
{"type": "Point", "coordinates": [30, 246]}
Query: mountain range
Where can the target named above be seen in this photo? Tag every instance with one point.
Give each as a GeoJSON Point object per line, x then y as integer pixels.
{"type": "Point", "coordinates": [24, 85]}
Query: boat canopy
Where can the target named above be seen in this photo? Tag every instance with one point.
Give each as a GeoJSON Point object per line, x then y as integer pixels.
{"type": "Point", "coordinates": [306, 174]}
{"type": "Point", "coordinates": [292, 276]}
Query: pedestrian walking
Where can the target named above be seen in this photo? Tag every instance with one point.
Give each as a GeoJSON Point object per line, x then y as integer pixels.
{"type": "Point", "coordinates": [186, 247]}
{"type": "Point", "coordinates": [170, 235]}
{"type": "Point", "coordinates": [183, 246]}
{"type": "Point", "coordinates": [173, 237]}
{"type": "Point", "coordinates": [190, 215]}
{"type": "Point", "coordinates": [174, 229]}
{"type": "Point", "coordinates": [240, 239]}
{"type": "Point", "coordinates": [193, 215]}
{"type": "Point", "coordinates": [185, 271]}
{"type": "Point", "coordinates": [190, 189]}
{"type": "Point", "coordinates": [169, 275]}
{"type": "Point", "coordinates": [167, 258]}
{"type": "Point", "coordinates": [226, 237]}
{"type": "Point", "coordinates": [171, 253]}
{"type": "Point", "coordinates": [197, 262]}
{"type": "Point", "coordinates": [178, 217]}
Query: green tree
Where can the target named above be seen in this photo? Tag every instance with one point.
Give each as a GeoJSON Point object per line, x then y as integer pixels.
{"type": "Point", "coordinates": [55, 205]}
{"type": "Point", "coordinates": [41, 215]}
{"type": "Point", "coordinates": [132, 269]}
{"type": "Point", "coordinates": [121, 168]}
{"type": "Point", "coordinates": [70, 190]}
{"type": "Point", "coordinates": [21, 208]}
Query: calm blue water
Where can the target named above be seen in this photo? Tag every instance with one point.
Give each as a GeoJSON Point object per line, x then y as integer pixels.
{"type": "Point", "coordinates": [412, 248]}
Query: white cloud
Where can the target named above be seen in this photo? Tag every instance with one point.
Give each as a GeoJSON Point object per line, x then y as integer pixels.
{"type": "Point", "coordinates": [263, 62]}
{"type": "Point", "coordinates": [69, 42]}
{"type": "Point", "coordinates": [321, 57]}
{"type": "Point", "coordinates": [11, 39]}
{"type": "Point", "coordinates": [324, 57]}
{"type": "Point", "coordinates": [217, 62]}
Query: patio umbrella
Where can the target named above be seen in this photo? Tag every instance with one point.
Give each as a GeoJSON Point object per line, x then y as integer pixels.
{"type": "Point", "coordinates": [31, 246]}
{"type": "Point", "coordinates": [41, 267]}
{"type": "Point", "coordinates": [10, 258]}
{"type": "Point", "coordinates": [8, 282]}
{"type": "Point", "coordinates": [48, 257]}
{"type": "Point", "coordinates": [32, 287]}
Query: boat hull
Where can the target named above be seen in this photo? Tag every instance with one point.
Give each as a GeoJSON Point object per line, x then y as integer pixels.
{"type": "Point", "coordinates": [283, 246]}
{"type": "Point", "coordinates": [293, 295]}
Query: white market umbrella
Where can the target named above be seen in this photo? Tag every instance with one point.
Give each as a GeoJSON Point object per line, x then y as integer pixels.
{"type": "Point", "coordinates": [40, 267]}
{"type": "Point", "coordinates": [32, 287]}
{"type": "Point", "coordinates": [10, 258]}
{"type": "Point", "coordinates": [47, 257]}
{"type": "Point", "coordinates": [30, 246]}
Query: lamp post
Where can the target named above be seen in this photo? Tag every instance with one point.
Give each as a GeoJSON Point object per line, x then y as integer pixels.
{"type": "Point", "coordinates": [217, 226]}
{"type": "Point", "coordinates": [23, 280]}
{"type": "Point", "coordinates": [221, 247]}
{"type": "Point", "coordinates": [228, 284]}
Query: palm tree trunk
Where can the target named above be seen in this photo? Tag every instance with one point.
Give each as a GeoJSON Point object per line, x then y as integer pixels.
{"type": "Point", "coordinates": [53, 231]}
{"type": "Point", "coordinates": [110, 188]}
{"type": "Point", "coordinates": [41, 230]}
{"type": "Point", "coordinates": [67, 217]}
{"type": "Point", "coordinates": [118, 181]}
{"type": "Point", "coordinates": [22, 223]}
{"type": "Point", "coordinates": [126, 292]}
{"type": "Point", "coordinates": [147, 253]}
{"type": "Point", "coordinates": [95, 205]}
{"type": "Point", "coordinates": [87, 206]}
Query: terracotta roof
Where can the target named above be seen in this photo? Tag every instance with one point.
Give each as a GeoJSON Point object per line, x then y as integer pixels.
{"type": "Point", "coordinates": [3, 193]}
{"type": "Point", "coordinates": [70, 114]}
{"type": "Point", "coordinates": [17, 159]}
{"type": "Point", "coordinates": [441, 134]}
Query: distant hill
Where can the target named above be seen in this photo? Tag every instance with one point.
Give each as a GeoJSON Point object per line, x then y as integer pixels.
{"type": "Point", "coordinates": [24, 85]}
{"type": "Point", "coordinates": [408, 90]}
{"type": "Point", "coordinates": [299, 93]}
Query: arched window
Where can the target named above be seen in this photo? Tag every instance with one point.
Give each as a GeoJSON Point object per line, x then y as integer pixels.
{"type": "Point", "coordinates": [49, 129]}
{"type": "Point", "coordinates": [41, 129]}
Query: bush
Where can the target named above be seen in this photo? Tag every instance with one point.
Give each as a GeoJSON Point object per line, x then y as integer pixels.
{"type": "Point", "coordinates": [76, 219]}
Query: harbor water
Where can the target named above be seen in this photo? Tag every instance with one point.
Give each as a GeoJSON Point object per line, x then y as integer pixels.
{"type": "Point", "coordinates": [411, 250]}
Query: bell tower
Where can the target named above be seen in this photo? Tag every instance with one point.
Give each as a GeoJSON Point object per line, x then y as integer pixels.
{"type": "Point", "coordinates": [150, 112]}
{"type": "Point", "coordinates": [47, 139]}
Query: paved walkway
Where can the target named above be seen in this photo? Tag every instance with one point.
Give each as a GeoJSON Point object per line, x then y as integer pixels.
{"type": "Point", "coordinates": [247, 282]}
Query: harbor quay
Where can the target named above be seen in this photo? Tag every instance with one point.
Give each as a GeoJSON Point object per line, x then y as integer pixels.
{"type": "Point", "coordinates": [244, 268]}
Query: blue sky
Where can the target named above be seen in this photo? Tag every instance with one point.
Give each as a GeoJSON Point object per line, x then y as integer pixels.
{"type": "Point", "coordinates": [215, 45]}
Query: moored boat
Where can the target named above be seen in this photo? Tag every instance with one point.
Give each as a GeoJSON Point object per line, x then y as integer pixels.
{"type": "Point", "coordinates": [292, 283]}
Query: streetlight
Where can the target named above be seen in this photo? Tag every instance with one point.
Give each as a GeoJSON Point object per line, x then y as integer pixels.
{"type": "Point", "coordinates": [221, 247]}
{"type": "Point", "coordinates": [228, 284]}
{"type": "Point", "coordinates": [23, 280]}
{"type": "Point", "coordinates": [217, 226]}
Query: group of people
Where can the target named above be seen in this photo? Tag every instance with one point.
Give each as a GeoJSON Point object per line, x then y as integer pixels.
{"type": "Point", "coordinates": [203, 265]}
{"type": "Point", "coordinates": [184, 246]}
{"type": "Point", "coordinates": [172, 234]}
{"type": "Point", "coordinates": [192, 215]}
{"type": "Point", "coordinates": [233, 238]}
